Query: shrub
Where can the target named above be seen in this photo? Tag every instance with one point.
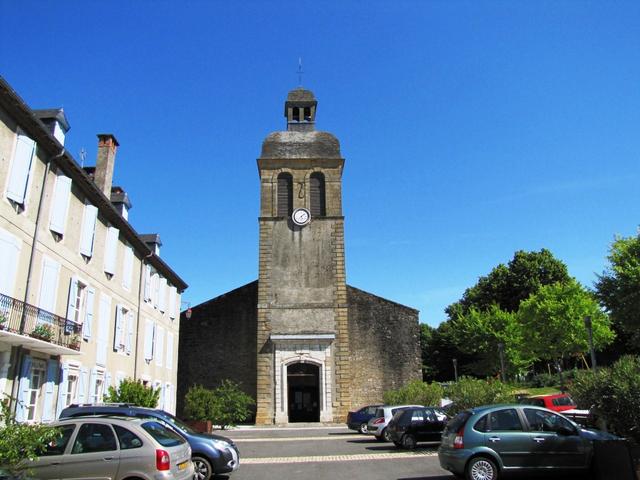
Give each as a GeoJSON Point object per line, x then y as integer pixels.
{"type": "Point", "coordinates": [231, 405]}
{"type": "Point", "coordinates": [470, 392]}
{"type": "Point", "coordinates": [21, 441]}
{"type": "Point", "coordinates": [416, 392]}
{"type": "Point", "coordinates": [613, 394]}
{"type": "Point", "coordinates": [134, 392]}
{"type": "Point", "coordinates": [199, 403]}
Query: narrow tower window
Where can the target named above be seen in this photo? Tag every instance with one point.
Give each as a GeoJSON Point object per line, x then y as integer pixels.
{"type": "Point", "coordinates": [318, 204]}
{"type": "Point", "coordinates": [285, 195]}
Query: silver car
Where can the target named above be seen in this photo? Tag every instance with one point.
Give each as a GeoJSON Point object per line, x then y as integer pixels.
{"type": "Point", "coordinates": [115, 448]}
{"type": "Point", "coordinates": [378, 424]}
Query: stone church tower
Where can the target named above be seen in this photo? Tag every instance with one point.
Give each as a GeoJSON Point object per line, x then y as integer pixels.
{"type": "Point", "coordinates": [300, 340]}
{"type": "Point", "coordinates": [303, 334]}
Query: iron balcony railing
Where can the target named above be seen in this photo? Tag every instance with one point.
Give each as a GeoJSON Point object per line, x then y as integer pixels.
{"type": "Point", "coordinates": [25, 319]}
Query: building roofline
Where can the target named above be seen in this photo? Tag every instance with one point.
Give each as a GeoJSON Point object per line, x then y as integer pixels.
{"type": "Point", "coordinates": [384, 299]}
{"type": "Point", "coordinates": [29, 122]}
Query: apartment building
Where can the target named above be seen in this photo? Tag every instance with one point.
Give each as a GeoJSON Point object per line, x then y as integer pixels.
{"type": "Point", "coordinates": [85, 301]}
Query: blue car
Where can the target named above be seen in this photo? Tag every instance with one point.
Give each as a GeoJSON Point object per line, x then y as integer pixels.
{"type": "Point", "coordinates": [211, 454]}
{"type": "Point", "coordinates": [358, 419]}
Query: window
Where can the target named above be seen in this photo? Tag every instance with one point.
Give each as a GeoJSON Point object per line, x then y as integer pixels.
{"type": "Point", "coordinates": [80, 305]}
{"type": "Point", "coordinates": [59, 444]}
{"type": "Point", "coordinates": [21, 169]}
{"type": "Point", "coordinates": [541, 420]}
{"type": "Point", "coordinates": [96, 385]}
{"type": "Point", "coordinates": [147, 283]}
{"type": "Point", "coordinates": [60, 204]}
{"type": "Point", "coordinates": [72, 388]}
{"type": "Point", "coordinates": [285, 195]}
{"type": "Point", "coordinates": [94, 437]}
{"type": "Point", "coordinates": [504, 420]}
{"type": "Point", "coordinates": [123, 329]}
{"type": "Point", "coordinates": [36, 381]}
{"type": "Point", "coordinates": [127, 438]}
{"type": "Point", "coordinates": [163, 435]}
{"type": "Point", "coordinates": [149, 331]}
{"type": "Point", "coordinates": [88, 230]}
{"type": "Point", "coordinates": [317, 195]}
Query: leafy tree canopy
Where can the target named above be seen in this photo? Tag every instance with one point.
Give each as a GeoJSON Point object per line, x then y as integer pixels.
{"type": "Point", "coordinates": [618, 288]}
{"type": "Point", "coordinates": [134, 392]}
{"type": "Point", "coordinates": [507, 285]}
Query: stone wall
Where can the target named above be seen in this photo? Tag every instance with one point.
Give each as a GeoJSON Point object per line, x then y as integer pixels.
{"type": "Point", "coordinates": [384, 342]}
{"type": "Point", "coordinates": [219, 342]}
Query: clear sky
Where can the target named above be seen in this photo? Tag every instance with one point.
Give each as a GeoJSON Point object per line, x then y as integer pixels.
{"type": "Point", "coordinates": [470, 129]}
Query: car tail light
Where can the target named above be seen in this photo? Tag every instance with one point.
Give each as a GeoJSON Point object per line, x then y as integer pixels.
{"type": "Point", "coordinates": [163, 461]}
{"type": "Point", "coordinates": [458, 442]}
{"type": "Point", "coordinates": [378, 421]}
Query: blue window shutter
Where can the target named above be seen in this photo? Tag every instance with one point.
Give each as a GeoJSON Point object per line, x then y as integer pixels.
{"type": "Point", "coordinates": [88, 317]}
{"type": "Point", "coordinates": [52, 373]}
{"type": "Point", "coordinates": [23, 389]}
{"type": "Point", "coordinates": [20, 169]}
{"type": "Point", "coordinates": [62, 389]}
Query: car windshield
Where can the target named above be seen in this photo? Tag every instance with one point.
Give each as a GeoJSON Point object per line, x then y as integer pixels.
{"type": "Point", "coordinates": [162, 434]}
{"type": "Point", "coordinates": [563, 402]}
{"type": "Point", "coordinates": [175, 421]}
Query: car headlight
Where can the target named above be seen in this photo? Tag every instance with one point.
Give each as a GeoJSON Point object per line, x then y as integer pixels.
{"type": "Point", "coordinates": [221, 444]}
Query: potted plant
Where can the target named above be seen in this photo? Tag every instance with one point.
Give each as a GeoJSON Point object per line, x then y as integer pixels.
{"type": "Point", "coordinates": [3, 321]}
{"type": "Point", "coordinates": [74, 341]}
{"type": "Point", "coordinates": [43, 332]}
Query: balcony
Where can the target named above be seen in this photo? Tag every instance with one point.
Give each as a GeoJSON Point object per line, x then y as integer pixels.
{"type": "Point", "coordinates": [36, 329]}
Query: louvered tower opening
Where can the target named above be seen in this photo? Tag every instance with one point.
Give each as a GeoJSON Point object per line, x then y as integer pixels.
{"type": "Point", "coordinates": [285, 195]}
{"type": "Point", "coordinates": [318, 200]}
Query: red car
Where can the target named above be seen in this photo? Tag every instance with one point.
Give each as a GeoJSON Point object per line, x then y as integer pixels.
{"type": "Point", "coordinates": [558, 402]}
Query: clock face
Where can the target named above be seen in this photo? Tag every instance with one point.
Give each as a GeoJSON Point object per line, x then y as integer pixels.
{"type": "Point", "coordinates": [301, 216]}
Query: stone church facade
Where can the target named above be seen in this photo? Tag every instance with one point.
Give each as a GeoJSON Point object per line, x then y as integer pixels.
{"type": "Point", "coordinates": [307, 346]}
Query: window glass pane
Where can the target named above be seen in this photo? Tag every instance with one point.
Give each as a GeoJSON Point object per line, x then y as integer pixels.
{"type": "Point", "coordinates": [94, 437]}
{"type": "Point", "coordinates": [127, 438]}
{"type": "Point", "coordinates": [505, 420]}
{"type": "Point", "coordinates": [481, 425]}
{"type": "Point", "coordinates": [541, 420]}
{"type": "Point", "coordinates": [163, 435]}
{"type": "Point", "coordinates": [58, 445]}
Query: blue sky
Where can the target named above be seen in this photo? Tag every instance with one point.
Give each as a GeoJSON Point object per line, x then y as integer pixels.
{"type": "Point", "coordinates": [470, 129]}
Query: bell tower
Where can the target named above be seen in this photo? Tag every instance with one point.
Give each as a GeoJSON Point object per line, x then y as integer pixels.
{"type": "Point", "coordinates": [302, 335]}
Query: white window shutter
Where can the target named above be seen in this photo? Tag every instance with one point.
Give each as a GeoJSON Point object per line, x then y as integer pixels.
{"type": "Point", "coordinates": [147, 283]}
{"type": "Point", "coordinates": [62, 389]}
{"type": "Point", "coordinates": [21, 168]}
{"type": "Point", "coordinates": [88, 316]}
{"type": "Point", "coordinates": [48, 411]}
{"type": "Point", "coordinates": [159, 345]}
{"type": "Point", "coordinates": [60, 204]}
{"type": "Point", "coordinates": [103, 330]}
{"type": "Point", "coordinates": [119, 329]}
{"type": "Point", "coordinates": [82, 385]}
{"type": "Point", "coordinates": [127, 270]}
{"type": "Point", "coordinates": [111, 250]}
{"type": "Point", "coordinates": [155, 289]}
{"type": "Point", "coordinates": [172, 302]}
{"type": "Point", "coordinates": [129, 337]}
{"type": "Point", "coordinates": [148, 339]}
{"type": "Point", "coordinates": [9, 253]}
{"type": "Point", "coordinates": [168, 398]}
{"type": "Point", "coordinates": [169, 350]}
{"type": "Point", "coordinates": [73, 295]}
{"type": "Point", "coordinates": [162, 301]}
{"type": "Point", "coordinates": [49, 285]}
{"type": "Point", "coordinates": [88, 230]}
{"type": "Point", "coordinates": [92, 386]}
{"type": "Point", "coordinates": [23, 389]}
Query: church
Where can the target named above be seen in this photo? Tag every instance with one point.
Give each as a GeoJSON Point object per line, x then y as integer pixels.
{"type": "Point", "coordinates": [300, 340]}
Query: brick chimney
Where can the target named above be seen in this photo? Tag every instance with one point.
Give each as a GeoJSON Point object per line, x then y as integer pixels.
{"type": "Point", "coordinates": [107, 146]}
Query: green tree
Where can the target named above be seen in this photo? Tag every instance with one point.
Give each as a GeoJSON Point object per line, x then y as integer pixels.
{"type": "Point", "coordinates": [20, 442]}
{"type": "Point", "coordinates": [470, 392]}
{"type": "Point", "coordinates": [231, 405]}
{"type": "Point", "coordinates": [439, 348]}
{"type": "Point", "coordinates": [508, 285]}
{"type": "Point", "coordinates": [134, 392]}
{"type": "Point", "coordinates": [417, 393]}
{"type": "Point", "coordinates": [553, 321]}
{"type": "Point", "coordinates": [618, 288]}
{"type": "Point", "coordinates": [199, 403]}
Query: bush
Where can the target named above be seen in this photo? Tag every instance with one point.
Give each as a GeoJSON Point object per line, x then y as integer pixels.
{"type": "Point", "coordinates": [416, 392]}
{"type": "Point", "coordinates": [198, 403]}
{"type": "Point", "coordinates": [21, 441]}
{"type": "Point", "coordinates": [470, 392]}
{"type": "Point", "coordinates": [613, 394]}
{"type": "Point", "coordinates": [231, 405]}
{"type": "Point", "coordinates": [134, 392]}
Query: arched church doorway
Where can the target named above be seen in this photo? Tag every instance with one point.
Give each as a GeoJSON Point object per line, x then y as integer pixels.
{"type": "Point", "coordinates": [303, 380]}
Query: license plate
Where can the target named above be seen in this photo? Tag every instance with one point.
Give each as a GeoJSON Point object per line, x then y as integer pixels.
{"type": "Point", "coordinates": [183, 465]}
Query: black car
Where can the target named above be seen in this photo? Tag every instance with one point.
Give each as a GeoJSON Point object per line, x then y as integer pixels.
{"type": "Point", "coordinates": [417, 424]}
{"type": "Point", "coordinates": [211, 454]}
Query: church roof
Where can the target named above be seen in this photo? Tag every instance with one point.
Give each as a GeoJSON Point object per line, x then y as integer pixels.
{"type": "Point", "coordinates": [291, 144]}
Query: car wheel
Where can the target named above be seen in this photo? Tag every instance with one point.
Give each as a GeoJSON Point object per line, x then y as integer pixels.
{"type": "Point", "coordinates": [409, 442]}
{"type": "Point", "coordinates": [201, 468]}
{"type": "Point", "coordinates": [481, 468]}
{"type": "Point", "coordinates": [397, 444]}
{"type": "Point", "coordinates": [363, 428]}
{"type": "Point", "coordinates": [386, 435]}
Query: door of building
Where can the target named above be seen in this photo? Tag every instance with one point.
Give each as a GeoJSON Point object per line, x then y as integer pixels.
{"type": "Point", "coordinates": [303, 380]}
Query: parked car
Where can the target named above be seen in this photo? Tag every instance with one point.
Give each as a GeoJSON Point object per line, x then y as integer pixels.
{"type": "Point", "coordinates": [116, 448]}
{"type": "Point", "coordinates": [378, 424]}
{"type": "Point", "coordinates": [358, 419]}
{"type": "Point", "coordinates": [484, 442]}
{"type": "Point", "coordinates": [560, 402]}
{"type": "Point", "coordinates": [211, 454]}
{"type": "Point", "coordinates": [419, 424]}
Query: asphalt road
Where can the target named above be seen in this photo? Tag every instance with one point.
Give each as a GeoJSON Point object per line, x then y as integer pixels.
{"type": "Point", "coordinates": [330, 453]}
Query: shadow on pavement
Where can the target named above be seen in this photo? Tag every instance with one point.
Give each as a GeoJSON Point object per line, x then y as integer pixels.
{"type": "Point", "coordinates": [438, 477]}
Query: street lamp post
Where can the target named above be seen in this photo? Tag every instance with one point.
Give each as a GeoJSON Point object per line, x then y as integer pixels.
{"type": "Point", "coordinates": [455, 369]}
{"type": "Point", "coordinates": [501, 352]}
{"type": "Point", "coordinates": [589, 327]}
